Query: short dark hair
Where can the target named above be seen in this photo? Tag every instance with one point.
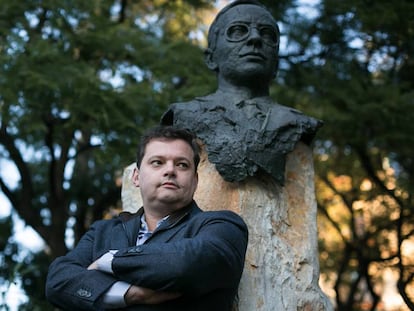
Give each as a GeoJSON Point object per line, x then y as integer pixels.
{"type": "Point", "coordinates": [215, 25]}
{"type": "Point", "coordinates": [164, 132]}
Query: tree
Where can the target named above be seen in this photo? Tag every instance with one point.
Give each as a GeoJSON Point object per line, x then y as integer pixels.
{"type": "Point", "coordinates": [352, 66]}
{"type": "Point", "coordinates": [79, 81]}
{"type": "Point", "coordinates": [8, 264]}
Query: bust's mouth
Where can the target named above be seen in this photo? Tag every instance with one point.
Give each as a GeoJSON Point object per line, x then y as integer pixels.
{"type": "Point", "coordinates": [253, 55]}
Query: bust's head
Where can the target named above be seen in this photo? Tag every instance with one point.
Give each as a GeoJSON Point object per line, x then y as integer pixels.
{"type": "Point", "coordinates": [243, 43]}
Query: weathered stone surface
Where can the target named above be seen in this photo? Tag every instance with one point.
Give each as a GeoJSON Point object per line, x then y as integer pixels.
{"type": "Point", "coordinates": [282, 269]}
{"type": "Point", "coordinates": [130, 195]}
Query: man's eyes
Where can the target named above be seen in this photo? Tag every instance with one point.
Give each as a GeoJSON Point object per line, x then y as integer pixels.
{"type": "Point", "coordinates": [183, 165]}
{"type": "Point", "coordinates": [156, 163]}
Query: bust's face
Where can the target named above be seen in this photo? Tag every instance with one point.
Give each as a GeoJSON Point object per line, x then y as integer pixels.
{"type": "Point", "coordinates": [247, 44]}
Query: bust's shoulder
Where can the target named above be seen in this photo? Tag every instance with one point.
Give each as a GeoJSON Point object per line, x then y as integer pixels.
{"type": "Point", "coordinates": [186, 109]}
{"type": "Point", "coordinates": [281, 114]}
{"type": "Point", "coordinates": [200, 102]}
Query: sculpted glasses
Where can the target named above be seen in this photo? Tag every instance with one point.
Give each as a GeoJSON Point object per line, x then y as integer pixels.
{"type": "Point", "coordinates": [240, 31]}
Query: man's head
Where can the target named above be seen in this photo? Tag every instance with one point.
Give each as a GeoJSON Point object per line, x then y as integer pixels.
{"type": "Point", "coordinates": [168, 133]}
{"type": "Point", "coordinates": [243, 41]}
{"type": "Point", "coordinates": [166, 173]}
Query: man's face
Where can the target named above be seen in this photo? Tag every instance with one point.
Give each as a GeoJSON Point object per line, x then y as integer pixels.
{"type": "Point", "coordinates": [167, 176]}
{"type": "Point", "coordinates": [247, 44]}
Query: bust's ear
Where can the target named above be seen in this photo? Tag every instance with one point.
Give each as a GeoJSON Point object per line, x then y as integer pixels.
{"type": "Point", "coordinates": [276, 69]}
{"type": "Point", "coordinates": [208, 59]}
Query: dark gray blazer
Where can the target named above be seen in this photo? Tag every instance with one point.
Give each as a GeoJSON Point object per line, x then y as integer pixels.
{"type": "Point", "coordinates": [199, 254]}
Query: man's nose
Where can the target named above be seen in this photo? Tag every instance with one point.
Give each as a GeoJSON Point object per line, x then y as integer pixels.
{"type": "Point", "coordinates": [169, 168]}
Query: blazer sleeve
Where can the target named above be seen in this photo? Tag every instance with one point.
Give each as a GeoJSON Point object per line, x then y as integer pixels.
{"type": "Point", "coordinates": [209, 256]}
{"type": "Point", "coordinates": [70, 285]}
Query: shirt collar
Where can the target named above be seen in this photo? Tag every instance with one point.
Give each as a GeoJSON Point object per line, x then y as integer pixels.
{"type": "Point", "coordinates": [144, 225]}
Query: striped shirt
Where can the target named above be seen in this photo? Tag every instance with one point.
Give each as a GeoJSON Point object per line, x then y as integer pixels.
{"type": "Point", "coordinates": [144, 233]}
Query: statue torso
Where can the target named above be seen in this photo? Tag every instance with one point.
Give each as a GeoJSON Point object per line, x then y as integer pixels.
{"type": "Point", "coordinates": [243, 137]}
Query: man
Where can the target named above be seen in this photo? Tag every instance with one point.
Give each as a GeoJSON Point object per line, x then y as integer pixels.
{"type": "Point", "coordinates": [169, 255]}
{"type": "Point", "coordinates": [244, 131]}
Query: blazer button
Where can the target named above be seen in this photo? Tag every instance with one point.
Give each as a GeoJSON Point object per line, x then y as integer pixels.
{"type": "Point", "coordinates": [136, 249]}
{"type": "Point", "coordinates": [84, 293]}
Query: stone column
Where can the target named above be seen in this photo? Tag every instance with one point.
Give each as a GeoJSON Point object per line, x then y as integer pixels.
{"type": "Point", "coordinates": [282, 269]}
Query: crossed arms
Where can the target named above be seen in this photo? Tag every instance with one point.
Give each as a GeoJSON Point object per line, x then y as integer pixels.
{"type": "Point", "coordinates": [192, 259]}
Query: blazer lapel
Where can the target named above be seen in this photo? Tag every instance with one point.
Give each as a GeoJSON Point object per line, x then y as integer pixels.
{"type": "Point", "coordinates": [172, 225]}
{"type": "Point", "coordinates": [131, 224]}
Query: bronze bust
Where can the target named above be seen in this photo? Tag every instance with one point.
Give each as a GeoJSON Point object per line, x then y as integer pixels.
{"type": "Point", "coordinates": [245, 132]}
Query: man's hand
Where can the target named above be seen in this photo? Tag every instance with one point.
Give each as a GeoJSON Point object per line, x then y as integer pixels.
{"type": "Point", "coordinates": [93, 266]}
{"type": "Point", "coordinates": [141, 295]}
{"type": "Point", "coordinates": [103, 263]}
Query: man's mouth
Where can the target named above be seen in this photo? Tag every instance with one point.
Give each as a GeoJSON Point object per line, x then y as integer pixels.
{"type": "Point", "coordinates": [169, 184]}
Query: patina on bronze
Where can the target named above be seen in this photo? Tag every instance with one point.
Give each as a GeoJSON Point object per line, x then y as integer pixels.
{"type": "Point", "coordinates": [245, 132]}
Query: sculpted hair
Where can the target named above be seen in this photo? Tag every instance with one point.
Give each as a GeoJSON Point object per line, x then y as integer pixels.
{"type": "Point", "coordinates": [168, 133]}
{"type": "Point", "coordinates": [216, 24]}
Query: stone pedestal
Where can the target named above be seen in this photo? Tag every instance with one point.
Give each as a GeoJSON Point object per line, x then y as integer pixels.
{"type": "Point", "coordinates": [281, 269]}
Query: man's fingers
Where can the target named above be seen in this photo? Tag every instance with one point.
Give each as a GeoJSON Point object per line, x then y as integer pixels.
{"type": "Point", "coordinates": [93, 266]}
{"type": "Point", "coordinates": [142, 295]}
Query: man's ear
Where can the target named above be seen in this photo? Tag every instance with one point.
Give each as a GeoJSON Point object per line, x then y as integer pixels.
{"type": "Point", "coordinates": [135, 177]}
{"type": "Point", "coordinates": [208, 59]}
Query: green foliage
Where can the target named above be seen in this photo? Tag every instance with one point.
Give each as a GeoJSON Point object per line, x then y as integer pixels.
{"type": "Point", "coordinates": [20, 266]}
{"type": "Point", "coordinates": [351, 66]}
{"type": "Point", "coordinates": [79, 81]}
{"type": "Point", "coordinates": [7, 250]}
